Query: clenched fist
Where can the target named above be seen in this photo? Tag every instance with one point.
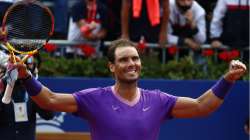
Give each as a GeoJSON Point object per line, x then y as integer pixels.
{"type": "Point", "coordinates": [236, 70]}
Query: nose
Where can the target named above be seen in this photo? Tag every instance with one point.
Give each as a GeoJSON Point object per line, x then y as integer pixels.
{"type": "Point", "coordinates": [131, 61]}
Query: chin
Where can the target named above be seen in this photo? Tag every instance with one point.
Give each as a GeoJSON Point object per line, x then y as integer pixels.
{"type": "Point", "coordinates": [129, 80]}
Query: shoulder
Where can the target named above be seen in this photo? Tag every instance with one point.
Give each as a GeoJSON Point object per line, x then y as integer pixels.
{"type": "Point", "coordinates": [158, 97]}
{"type": "Point", "coordinates": [91, 95]}
{"type": "Point", "coordinates": [156, 93]}
{"type": "Point", "coordinates": [150, 91]}
{"type": "Point", "coordinates": [99, 92]}
{"type": "Point", "coordinates": [92, 91]}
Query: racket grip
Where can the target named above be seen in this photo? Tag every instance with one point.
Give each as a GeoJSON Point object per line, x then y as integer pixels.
{"type": "Point", "coordinates": [10, 85]}
{"type": "Point", "coordinates": [8, 92]}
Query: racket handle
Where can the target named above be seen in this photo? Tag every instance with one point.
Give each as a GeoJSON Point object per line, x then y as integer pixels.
{"type": "Point", "coordinates": [8, 92]}
{"type": "Point", "coordinates": [10, 85]}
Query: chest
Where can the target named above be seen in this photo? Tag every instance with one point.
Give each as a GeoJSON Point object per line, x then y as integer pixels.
{"type": "Point", "coordinates": [141, 118]}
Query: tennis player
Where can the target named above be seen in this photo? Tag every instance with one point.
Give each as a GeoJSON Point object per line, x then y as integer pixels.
{"type": "Point", "coordinates": [124, 111]}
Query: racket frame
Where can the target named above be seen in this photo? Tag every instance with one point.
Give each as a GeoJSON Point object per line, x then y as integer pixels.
{"type": "Point", "coordinates": [4, 24]}
{"type": "Point", "coordinates": [9, 88]}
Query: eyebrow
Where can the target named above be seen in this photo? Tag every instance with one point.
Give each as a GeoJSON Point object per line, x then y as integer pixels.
{"type": "Point", "coordinates": [125, 57]}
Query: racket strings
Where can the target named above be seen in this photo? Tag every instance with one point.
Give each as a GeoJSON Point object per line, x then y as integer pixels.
{"type": "Point", "coordinates": [28, 27]}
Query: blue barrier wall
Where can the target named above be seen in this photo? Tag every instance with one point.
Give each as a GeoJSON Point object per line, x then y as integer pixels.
{"type": "Point", "coordinates": [225, 124]}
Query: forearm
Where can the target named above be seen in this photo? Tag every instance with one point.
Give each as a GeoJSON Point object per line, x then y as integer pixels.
{"type": "Point", "coordinates": [165, 17]}
{"type": "Point", "coordinates": [208, 103]}
{"type": "Point", "coordinates": [45, 114]}
{"type": "Point", "coordinates": [125, 18]}
{"type": "Point", "coordinates": [44, 98]}
{"type": "Point", "coordinates": [213, 98]}
{"type": "Point", "coordinates": [61, 102]}
{"type": "Point", "coordinates": [39, 93]}
{"type": "Point", "coordinates": [204, 105]}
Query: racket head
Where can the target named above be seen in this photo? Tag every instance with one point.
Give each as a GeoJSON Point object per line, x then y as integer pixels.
{"type": "Point", "coordinates": [28, 26]}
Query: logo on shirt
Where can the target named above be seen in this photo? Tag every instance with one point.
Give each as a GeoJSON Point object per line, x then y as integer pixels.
{"type": "Point", "coordinates": [145, 109]}
{"type": "Point", "coordinates": [115, 107]}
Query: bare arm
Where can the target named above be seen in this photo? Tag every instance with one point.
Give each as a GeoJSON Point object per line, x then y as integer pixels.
{"type": "Point", "coordinates": [202, 106]}
{"type": "Point", "coordinates": [48, 100]}
{"type": "Point", "coordinates": [164, 23]}
{"type": "Point", "coordinates": [43, 97]}
{"type": "Point", "coordinates": [126, 4]}
{"type": "Point", "coordinates": [208, 102]}
{"type": "Point", "coordinates": [43, 113]}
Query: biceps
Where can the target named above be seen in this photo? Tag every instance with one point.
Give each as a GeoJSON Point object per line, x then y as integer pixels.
{"type": "Point", "coordinates": [185, 108]}
{"type": "Point", "coordinates": [55, 101]}
{"type": "Point", "coordinates": [64, 103]}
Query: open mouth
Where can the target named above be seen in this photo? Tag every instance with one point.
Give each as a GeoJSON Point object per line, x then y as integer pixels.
{"type": "Point", "coordinates": [131, 70]}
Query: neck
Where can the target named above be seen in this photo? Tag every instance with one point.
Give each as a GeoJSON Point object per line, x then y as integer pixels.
{"type": "Point", "coordinates": [127, 91]}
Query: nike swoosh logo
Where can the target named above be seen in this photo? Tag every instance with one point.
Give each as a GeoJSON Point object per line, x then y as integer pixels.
{"type": "Point", "coordinates": [146, 109]}
{"type": "Point", "coordinates": [115, 107]}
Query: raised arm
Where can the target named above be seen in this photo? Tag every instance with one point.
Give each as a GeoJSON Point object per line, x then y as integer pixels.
{"type": "Point", "coordinates": [44, 97]}
{"type": "Point", "coordinates": [212, 99]}
{"type": "Point", "coordinates": [186, 107]}
{"type": "Point", "coordinates": [49, 100]}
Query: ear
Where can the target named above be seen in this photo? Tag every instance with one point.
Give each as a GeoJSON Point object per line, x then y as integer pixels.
{"type": "Point", "coordinates": [111, 67]}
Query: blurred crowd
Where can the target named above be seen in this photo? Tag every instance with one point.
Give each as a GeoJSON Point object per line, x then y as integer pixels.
{"type": "Point", "coordinates": [177, 23]}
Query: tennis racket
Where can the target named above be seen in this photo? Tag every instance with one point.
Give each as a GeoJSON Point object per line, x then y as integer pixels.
{"type": "Point", "coordinates": [27, 26]}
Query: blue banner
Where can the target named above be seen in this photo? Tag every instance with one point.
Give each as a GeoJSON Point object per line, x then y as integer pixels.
{"type": "Point", "coordinates": [227, 123]}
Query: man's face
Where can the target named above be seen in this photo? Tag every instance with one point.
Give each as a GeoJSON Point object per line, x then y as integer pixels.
{"type": "Point", "coordinates": [184, 5]}
{"type": "Point", "coordinates": [127, 65]}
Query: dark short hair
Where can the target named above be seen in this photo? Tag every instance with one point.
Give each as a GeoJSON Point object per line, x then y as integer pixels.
{"type": "Point", "coordinates": [117, 44]}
